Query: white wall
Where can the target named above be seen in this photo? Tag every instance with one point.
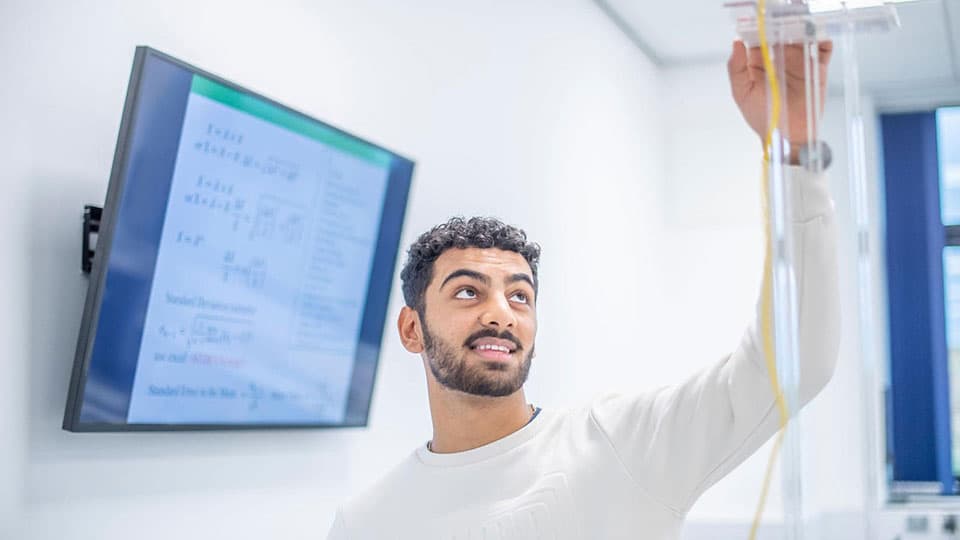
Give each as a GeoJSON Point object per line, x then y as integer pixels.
{"type": "Point", "coordinates": [539, 112]}
{"type": "Point", "coordinates": [713, 247]}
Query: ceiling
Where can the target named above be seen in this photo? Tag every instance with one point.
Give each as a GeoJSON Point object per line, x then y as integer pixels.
{"type": "Point", "coordinates": [915, 66]}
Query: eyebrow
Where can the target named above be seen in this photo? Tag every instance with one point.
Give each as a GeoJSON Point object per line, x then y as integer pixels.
{"type": "Point", "coordinates": [521, 277]}
{"type": "Point", "coordinates": [485, 279]}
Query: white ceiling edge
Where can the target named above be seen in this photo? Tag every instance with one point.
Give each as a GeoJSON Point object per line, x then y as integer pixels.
{"type": "Point", "coordinates": [922, 98]}
{"type": "Point", "coordinates": [909, 91]}
{"type": "Point", "coordinates": [630, 33]}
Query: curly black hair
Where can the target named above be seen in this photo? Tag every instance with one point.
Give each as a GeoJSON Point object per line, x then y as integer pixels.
{"type": "Point", "coordinates": [478, 232]}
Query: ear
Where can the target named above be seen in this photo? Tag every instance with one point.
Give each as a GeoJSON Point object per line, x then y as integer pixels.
{"type": "Point", "coordinates": [408, 324]}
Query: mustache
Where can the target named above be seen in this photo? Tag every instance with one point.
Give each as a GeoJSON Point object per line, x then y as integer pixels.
{"type": "Point", "coordinates": [490, 332]}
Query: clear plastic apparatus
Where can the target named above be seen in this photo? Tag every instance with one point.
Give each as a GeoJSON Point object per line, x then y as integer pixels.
{"type": "Point", "coordinates": [773, 26]}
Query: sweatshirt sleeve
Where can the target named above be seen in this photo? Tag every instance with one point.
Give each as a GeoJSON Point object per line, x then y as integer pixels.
{"type": "Point", "coordinates": [678, 441]}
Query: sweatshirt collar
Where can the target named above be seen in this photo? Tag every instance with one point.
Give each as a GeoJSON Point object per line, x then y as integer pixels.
{"type": "Point", "coordinates": [489, 450]}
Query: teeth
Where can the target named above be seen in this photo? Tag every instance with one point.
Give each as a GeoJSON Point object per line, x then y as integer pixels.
{"type": "Point", "coordinates": [500, 348]}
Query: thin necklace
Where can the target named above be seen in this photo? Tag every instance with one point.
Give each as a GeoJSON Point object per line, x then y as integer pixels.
{"type": "Point", "coordinates": [533, 414]}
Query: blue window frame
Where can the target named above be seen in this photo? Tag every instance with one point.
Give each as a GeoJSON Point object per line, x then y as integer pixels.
{"type": "Point", "coordinates": [922, 181]}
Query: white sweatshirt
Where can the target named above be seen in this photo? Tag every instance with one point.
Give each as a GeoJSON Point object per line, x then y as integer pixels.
{"type": "Point", "coordinates": [625, 466]}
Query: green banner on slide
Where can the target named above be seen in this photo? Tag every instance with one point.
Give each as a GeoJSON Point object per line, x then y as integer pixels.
{"type": "Point", "coordinates": [289, 120]}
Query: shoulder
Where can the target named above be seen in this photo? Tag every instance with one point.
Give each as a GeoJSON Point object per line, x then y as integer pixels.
{"type": "Point", "coordinates": [615, 405]}
{"type": "Point", "coordinates": [396, 486]}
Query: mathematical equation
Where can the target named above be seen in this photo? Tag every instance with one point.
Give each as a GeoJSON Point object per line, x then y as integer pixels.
{"type": "Point", "coordinates": [224, 133]}
{"type": "Point", "coordinates": [253, 394]}
{"type": "Point", "coordinates": [270, 166]}
{"type": "Point", "coordinates": [272, 220]}
{"type": "Point", "coordinates": [213, 202]}
{"type": "Point", "coordinates": [189, 239]}
{"type": "Point", "coordinates": [206, 330]}
{"type": "Point", "coordinates": [251, 274]}
{"type": "Point", "coordinates": [198, 358]}
{"type": "Point", "coordinates": [215, 185]}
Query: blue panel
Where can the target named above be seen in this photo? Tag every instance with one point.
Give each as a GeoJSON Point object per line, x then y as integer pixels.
{"type": "Point", "coordinates": [915, 240]}
{"type": "Point", "coordinates": [151, 157]}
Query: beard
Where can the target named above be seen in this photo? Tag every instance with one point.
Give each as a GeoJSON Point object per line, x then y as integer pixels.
{"type": "Point", "coordinates": [489, 379]}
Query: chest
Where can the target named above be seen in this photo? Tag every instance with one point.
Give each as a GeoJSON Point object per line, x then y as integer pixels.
{"type": "Point", "coordinates": [559, 493]}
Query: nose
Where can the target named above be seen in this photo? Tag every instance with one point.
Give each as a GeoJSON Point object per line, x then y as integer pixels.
{"type": "Point", "coordinates": [497, 313]}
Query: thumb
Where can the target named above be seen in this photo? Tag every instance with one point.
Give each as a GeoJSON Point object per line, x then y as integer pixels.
{"type": "Point", "coordinates": [738, 69]}
{"type": "Point", "coordinates": [738, 58]}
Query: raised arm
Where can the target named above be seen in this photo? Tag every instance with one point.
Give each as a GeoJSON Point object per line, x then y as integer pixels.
{"type": "Point", "coordinates": [680, 440]}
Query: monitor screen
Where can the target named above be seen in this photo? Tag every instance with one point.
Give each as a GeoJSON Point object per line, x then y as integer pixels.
{"type": "Point", "coordinates": [243, 265]}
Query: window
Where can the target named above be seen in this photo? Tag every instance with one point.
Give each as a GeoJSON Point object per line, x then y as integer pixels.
{"type": "Point", "coordinates": [948, 153]}
{"type": "Point", "coordinates": [922, 182]}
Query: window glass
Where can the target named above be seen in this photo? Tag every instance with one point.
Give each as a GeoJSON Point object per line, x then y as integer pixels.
{"type": "Point", "coordinates": [948, 137]}
{"type": "Point", "coordinates": [951, 290]}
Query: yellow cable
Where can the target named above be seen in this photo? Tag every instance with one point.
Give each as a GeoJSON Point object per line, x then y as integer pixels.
{"type": "Point", "coordinates": [766, 295]}
{"type": "Point", "coordinates": [777, 443]}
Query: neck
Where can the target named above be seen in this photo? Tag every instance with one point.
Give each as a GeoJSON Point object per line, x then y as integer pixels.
{"type": "Point", "coordinates": [463, 421]}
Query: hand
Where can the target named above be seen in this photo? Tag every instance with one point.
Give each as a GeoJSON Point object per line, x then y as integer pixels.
{"type": "Point", "coordinates": [748, 83]}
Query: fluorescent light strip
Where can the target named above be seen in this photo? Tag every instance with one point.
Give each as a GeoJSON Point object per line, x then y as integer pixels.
{"type": "Point", "coordinates": [821, 6]}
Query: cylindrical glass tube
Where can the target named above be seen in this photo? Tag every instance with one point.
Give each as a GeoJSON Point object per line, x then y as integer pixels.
{"type": "Point", "coordinates": [857, 181]}
{"type": "Point", "coordinates": [780, 229]}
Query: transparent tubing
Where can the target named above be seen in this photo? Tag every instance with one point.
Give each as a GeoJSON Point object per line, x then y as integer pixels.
{"type": "Point", "coordinates": [780, 229]}
{"type": "Point", "coordinates": [861, 213]}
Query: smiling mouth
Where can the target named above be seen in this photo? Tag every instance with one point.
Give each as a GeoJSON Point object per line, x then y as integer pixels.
{"type": "Point", "coordinates": [494, 348]}
{"type": "Point", "coordinates": [496, 353]}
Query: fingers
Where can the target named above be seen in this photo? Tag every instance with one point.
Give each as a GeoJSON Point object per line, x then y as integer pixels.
{"type": "Point", "coordinates": [739, 70]}
{"type": "Point", "coordinates": [745, 65]}
{"type": "Point", "coordinates": [790, 51]}
{"type": "Point", "coordinates": [792, 59]}
{"type": "Point", "coordinates": [826, 51]}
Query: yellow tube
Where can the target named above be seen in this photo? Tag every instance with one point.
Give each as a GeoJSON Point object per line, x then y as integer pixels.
{"type": "Point", "coordinates": [766, 295]}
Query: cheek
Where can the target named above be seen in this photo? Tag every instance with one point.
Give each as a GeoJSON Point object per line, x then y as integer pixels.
{"type": "Point", "coordinates": [529, 329]}
{"type": "Point", "coordinates": [452, 324]}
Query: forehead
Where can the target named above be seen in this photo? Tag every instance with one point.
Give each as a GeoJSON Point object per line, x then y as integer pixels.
{"type": "Point", "coordinates": [491, 261]}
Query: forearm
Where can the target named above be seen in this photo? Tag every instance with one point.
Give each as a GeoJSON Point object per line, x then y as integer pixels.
{"type": "Point", "coordinates": [753, 417]}
{"type": "Point", "coordinates": [682, 439]}
{"type": "Point", "coordinates": [815, 271]}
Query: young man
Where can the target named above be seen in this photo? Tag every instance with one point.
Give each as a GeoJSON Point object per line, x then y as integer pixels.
{"type": "Point", "coordinates": [625, 466]}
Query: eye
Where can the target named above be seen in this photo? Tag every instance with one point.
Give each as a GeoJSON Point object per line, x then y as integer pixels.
{"type": "Point", "coordinates": [466, 294]}
{"type": "Point", "coordinates": [520, 297]}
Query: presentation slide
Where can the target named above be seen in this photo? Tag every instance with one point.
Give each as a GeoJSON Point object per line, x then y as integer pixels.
{"type": "Point", "coordinates": [264, 261]}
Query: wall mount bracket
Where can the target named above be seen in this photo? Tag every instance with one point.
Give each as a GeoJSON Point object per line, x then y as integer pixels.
{"type": "Point", "coordinates": [91, 230]}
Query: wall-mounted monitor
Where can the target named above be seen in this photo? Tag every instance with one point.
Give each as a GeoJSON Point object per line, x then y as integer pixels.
{"type": "Point", "coordinates": [243, 265]}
